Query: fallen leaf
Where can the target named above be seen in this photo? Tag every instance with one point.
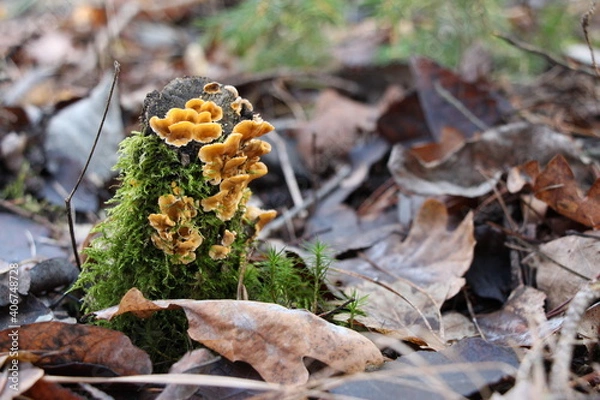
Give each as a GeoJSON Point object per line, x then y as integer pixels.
{"type": "Point", "coordinates": [424, 270]}
{"type": "Point", "coordinates": [476, 168]}
{"type": "Point", "coordinates": [204, 362]}
{"type": "Point", "coordinates": [431, 253]}
{"type": "Point", "coordinates": [342, 230]}
{"type": "Point", "coordinates": [197, 361]}
{"type": "Point", "coordinates": [463, 369]}
{"type": "Point", "coordinates": [51, 274]}
{"type": "Point", "coordinates": [435, 153]}
{"type": "Point", "coordinates": [60, 343]}
{"type": "Point", "coordinates": [333, 131]}
{"type": "Point", "coordinates": [16, 382]}
{"type": "Point", "coordinates": [271, 338]}
{"type": "Point", "coordinates": [43, 390]}
{"type": "Point", "coordinates": [556, 186]}
{"type": "Point", "coordinates": [513, 325]}
{"type": "Point", "coordinates": [442, 92]}
{"type": "Point", "coordinates": [403, 121]}
{"type": "Point", "coordinates": [564, 265]}
{"type": "Point", "coordinates": [589, 327]}
{"type": "Point", "coordinates": [31, 310]}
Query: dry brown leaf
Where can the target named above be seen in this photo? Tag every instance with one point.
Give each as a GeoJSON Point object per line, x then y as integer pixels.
{"type": "Point", "coordinates": [271, 338]}
{"type": "Point", "coordinates": [435, 153]}
{"type": "Point", "coordinates": [564, 265]}
{"type": "Point", "coordinates": [334, 130]}
{"type": "Point", "coordinates": [522, 313]}
{"type": "Point", "coordinates": [426, 269]}
{"type": "Point", "coordinates": [60, 343]}
{"type": "Point", "coordinates": [476, 168]}
{"type": "Point", "coordinates": [14, 383]}
{"type": "Point", "coordinates": [44, 390]}
{"type": "Point", "coordinates": [556, 185]}
{"type": "Point", "coordinates": [589, 327]}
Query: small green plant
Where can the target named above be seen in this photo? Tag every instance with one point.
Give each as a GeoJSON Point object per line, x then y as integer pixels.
{"type": "Point", "coordinates": [320, 261]}
{"type": "Point", "coordinates": [278, 33]}
{"type": "Point", "coordinates": [16, 188]}
{"type": "Point", "coordinates": [354, 308]}
{"type": "Point", "coordinates": [287, 281]}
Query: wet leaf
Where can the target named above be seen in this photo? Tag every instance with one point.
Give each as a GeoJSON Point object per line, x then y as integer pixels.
{"type": "Point", "coordinates": [59, 343]}
{"type": "Point", "coordinates": [271, 338]}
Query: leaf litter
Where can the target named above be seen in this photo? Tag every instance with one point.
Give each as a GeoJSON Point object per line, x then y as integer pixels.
{"type": "Point", "coordinates": [470, 163]}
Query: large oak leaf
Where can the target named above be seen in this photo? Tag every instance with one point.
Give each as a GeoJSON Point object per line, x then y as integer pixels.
{"type": "Point", "coordinates": [271, 338]}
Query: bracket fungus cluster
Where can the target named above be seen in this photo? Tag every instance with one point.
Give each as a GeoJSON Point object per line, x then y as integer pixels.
{"type": "Point", "coordinates": [231, 163]}
{"type": "Point", "coordinates": [176, 233]}
{"type": "Point", "coordinates": [180, 226]}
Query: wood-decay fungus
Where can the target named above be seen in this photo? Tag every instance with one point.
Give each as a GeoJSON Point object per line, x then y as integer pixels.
{"type": "Point", "coordinates": [180, 226]}
{"type": "Point", "coordinates": [176, 233]}
{"type": "Point", "coordinates": [181, 208]}
{"type": "Point", "coordinates": [231, 164]}
{"type": "Point", "coordinates": [197, 121]}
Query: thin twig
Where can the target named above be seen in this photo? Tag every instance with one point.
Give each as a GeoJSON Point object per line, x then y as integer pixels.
{"type": "Point", "coordinates": [472, 314]}
{"type": "Point", "coordinates": [87, 163]}
{"type": "Point", "coordinates": [585, 23]}
{"type": "Point", "coordinates": [449, 97]}
{"type": "Point", "coordinates": [288, 170]}
{"type": "Point", "coordinates": [539, 52]}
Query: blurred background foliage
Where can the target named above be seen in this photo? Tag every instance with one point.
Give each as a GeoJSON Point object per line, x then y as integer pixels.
{"type": "Point", "coordinates": [269, 34]}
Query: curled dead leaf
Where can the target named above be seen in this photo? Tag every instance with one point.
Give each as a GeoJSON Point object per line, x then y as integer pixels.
{"type": "Point", "coordinates": [271, 338]}
{"type": "Point", "coordinates": [556, 186]}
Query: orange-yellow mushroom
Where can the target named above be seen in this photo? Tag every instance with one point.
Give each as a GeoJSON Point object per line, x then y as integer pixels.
{"type": "Point", "coordinates": [218, 252]}
{"type": "Point", "coordinates": [196, 122]}
{"type": "Point", "coordinates": [254, 128]}
{"type": "Point", "coordinates": [228, 238]}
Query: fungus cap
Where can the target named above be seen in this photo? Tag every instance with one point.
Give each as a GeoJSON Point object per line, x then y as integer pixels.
{"type": "Point", "coordinates": [253, 128]}
{"type": "Point", "coordinates": [228, 238]}
{"type": "Point", "coordinates": [212, 88]}
{"type": "Point", "coordinates": [196, 122]}
{"type": "Point", "coordinates": [218, 252]}
{"type": "Point", "coordinates": [259, 217]}
{"type": "Point", "coordinates": [199, 105]}
{"type": "Point", "coordinates": [161, 222]}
